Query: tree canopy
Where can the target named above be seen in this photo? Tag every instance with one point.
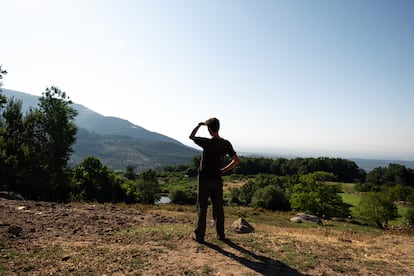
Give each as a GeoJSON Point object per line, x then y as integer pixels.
{"type": "Point", "coordinates": [36, 147]}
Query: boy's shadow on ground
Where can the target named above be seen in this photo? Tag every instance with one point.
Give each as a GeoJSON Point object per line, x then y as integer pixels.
{"type": "Point", "coordinates": [260, 264]}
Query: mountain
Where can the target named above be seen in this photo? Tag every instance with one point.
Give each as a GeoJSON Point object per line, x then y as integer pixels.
{"type": "Point", "coordinates": [105, 125]}
{"type": "Point", "coordinates": [117, 142]}
{"type": "Point", "coordinates": [95, 122]}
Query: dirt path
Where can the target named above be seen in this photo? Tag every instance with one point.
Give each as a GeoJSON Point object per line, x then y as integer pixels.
{"type": "Point", "coordinates": [41, 238]}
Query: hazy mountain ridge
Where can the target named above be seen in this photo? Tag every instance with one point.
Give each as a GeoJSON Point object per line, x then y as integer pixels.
{"type": "Point", "coordinates": [117, 142]}
{"type": "Point", "coordinates": [108, 125]}
{"type": "Point", "coordinates": [118, 151]}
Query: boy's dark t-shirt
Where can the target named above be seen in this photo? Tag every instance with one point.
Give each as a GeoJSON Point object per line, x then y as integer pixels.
{"type": "Point", "coordinates": [214, 151]}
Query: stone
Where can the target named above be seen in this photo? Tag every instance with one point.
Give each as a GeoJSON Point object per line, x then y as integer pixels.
{"type": "Point", "coordinates": [10, 195]}
{"type": "Point", "coordinates": [6, 195]}
{"type": "Point", "coordinates": [301, 217]}
{"type": "Point", "coordinates": [296, 220]}
{"type": "Point", "coordinates": [241, 226]}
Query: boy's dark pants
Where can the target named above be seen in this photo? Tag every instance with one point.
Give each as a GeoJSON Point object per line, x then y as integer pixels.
{"type": "Point", "coordinates": [214, 190]}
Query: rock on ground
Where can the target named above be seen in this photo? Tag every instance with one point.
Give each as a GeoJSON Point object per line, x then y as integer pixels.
{"type": "Point", "coordinates": [242, 226]}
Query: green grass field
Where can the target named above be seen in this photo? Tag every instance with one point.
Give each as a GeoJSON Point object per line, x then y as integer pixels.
{"type": "Point", "coordinates": [353, 199]}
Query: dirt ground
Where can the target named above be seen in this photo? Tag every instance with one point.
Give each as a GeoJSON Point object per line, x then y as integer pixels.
{"type": "Point", "coordinates": [42, 238]}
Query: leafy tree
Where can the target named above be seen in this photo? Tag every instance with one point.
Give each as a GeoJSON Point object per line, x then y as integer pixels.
{"type": "Point", "coordinates": [58, 124]}
{"type": "Point", "coordinates": [191, 172]}
{"type": "Point", "coordinates": [270, 197]}
{"type": "Point", "coordinates": [278, 166]}
{"type": "Point", "coordinates": [129, 173]}
{"type": "Point", "coordinates": [11, 146]}
{"type": "Point", "coordinates": [399, 192]}
{"type": "Point", "coordinates": [382, 178]}
{"type": "Point", "coordinates": [317, 176]}
{"type": "Point", "coordinates": [367, 187]}
{"type": "Point", "coordinates": [196, 161]}
{"type": "Point", "coordinates": [377, 176]}
{"type": "Point", "coordinates": [130, 192]}
{"type": "Point", "coordinates": [399, 174]}
{"type": "Point", "coordinates": [392, 174]}
{"type": "Point", "coordinates": [3, 100]}
{"type": "Point", "coordinates": [51, 135]}
{"type": "Point", "coordinates": [376, 208]}
{"type": "Point", "coordinates": [93, 181]}
{"type": "Point", "coordinates": [247, 191]}
{"type": "Point", "coordinates": [36, 172]}
{"type": "Point", "coordinates": [148, 187]}
{"type": "Point", "coordinates": [253, 166]}
{"type": "Point", "coordinates": [318, 198]}
{"type": "Point", "coordinates": [2, 97]}
{"type": "Point", "coordinates": [346, 170]}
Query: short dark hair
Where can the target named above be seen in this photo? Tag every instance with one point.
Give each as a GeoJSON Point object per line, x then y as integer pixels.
{"type": "Point", "coordinates": [213, 124]}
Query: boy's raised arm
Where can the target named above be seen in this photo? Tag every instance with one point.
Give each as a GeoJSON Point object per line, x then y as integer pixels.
{"type": "Point", "coordinates": [193, 133]}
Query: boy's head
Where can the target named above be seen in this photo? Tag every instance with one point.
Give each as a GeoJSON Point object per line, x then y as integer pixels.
{"type": "Point", "coordinates": [213, 124]}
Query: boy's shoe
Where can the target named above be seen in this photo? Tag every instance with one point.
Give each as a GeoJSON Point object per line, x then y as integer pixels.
{"type": "Point", "coordinates": [223, 239]}
{"type": "Point", "coordinates": [193, 236]}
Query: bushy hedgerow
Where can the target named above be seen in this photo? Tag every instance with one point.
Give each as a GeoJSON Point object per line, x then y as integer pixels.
{"type": "Point", "coordinates": [183, 196]}
{"type": "Point", "coordinates": [270, 197]}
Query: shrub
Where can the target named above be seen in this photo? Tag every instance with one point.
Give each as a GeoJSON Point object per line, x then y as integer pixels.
{"type": "Point", "coordinates": [409, 216]}
{"type": "Point", "coordinates": [270, 197]}
{"type": "Point", "coordinates": [247, 191]}
{"type": "Point", "coordinates": [234, 196]}
{"type": "Point", "coordinates": [191, 172]}
{"type": "Point", "coordinates": [130, 192]}
{"type": "Point", "coordinates": [398, 192]}
{"type": "Point", "coordinates": [93, 181]}
{"type": "Point", "coordinates": [376, 208]}
{"type": "Point", "coordinates": [148, 187]}
{"type": "Point", "coordinates": [182, 197]}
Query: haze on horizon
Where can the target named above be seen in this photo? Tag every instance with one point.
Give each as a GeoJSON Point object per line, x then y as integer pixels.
{"type": "Point", "coordinates": [304, 78]}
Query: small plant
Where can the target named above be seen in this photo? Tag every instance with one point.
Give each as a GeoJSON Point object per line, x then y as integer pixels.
{"type": "Point", "coordinates": [207, 270]}
{"type": "Point", "coordinates": [409, 217]}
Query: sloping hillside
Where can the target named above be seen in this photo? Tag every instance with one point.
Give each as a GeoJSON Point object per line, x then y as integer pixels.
{"type": "Point", "coordinates": [117, 142]}
{"type": "Point", "coordinates": [106, 125]}
{"type": "Point", "coordinates": [118, 151]}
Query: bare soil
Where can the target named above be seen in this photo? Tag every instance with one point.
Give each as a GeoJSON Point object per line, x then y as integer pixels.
{"type": "Point", "coordinates": [42, 238]}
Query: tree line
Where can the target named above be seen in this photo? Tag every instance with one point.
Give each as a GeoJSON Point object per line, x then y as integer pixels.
{"type": "Point", "coordinates": [316, 192]}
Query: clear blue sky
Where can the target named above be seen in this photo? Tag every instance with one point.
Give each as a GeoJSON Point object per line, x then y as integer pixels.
{"type": "Point", "coordinates": [308, 78]}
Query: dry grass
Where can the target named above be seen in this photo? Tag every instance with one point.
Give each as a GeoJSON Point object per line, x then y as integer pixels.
{"type": "Point", "coordinates": [86, 239]}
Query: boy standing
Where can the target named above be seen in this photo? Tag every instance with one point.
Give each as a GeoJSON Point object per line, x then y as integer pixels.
{"type": "Point", "coordinates": [210, 183]}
